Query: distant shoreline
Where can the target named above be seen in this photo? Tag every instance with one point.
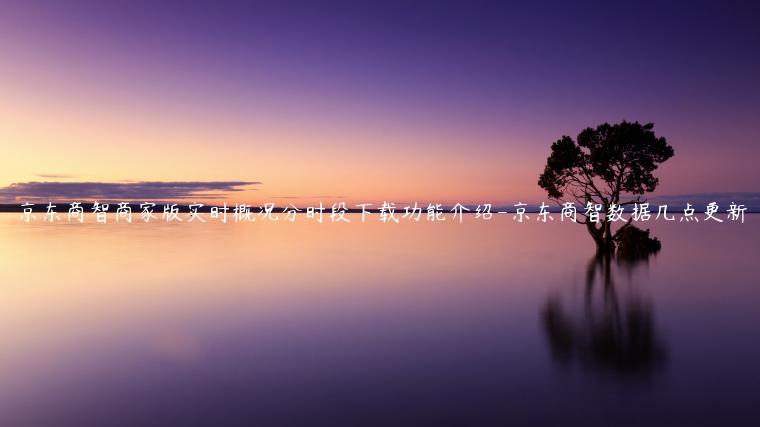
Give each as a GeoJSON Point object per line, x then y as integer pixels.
{"type": "Point", "coordinates": [185, 208]}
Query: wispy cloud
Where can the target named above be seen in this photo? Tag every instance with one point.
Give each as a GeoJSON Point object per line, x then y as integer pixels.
{"type": "Point", "coordinates": [307, 197]}
{"type": "Point", "coordinates": [751, 199]}
{"type": "Point", "coordinates": [56, 176]}
{"type": "Point", "coordinates": [124, 191]}
{"type": "Point", "coordinates": [735, 196]}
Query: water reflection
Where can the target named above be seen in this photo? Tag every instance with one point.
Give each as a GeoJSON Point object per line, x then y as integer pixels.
{"type": "Point", "coordinates": [612, 332]}
{"type": "Point", "coordinates": [307, 324]}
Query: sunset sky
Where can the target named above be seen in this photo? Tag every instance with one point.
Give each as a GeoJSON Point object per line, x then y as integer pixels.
{"type": "Point", "coordinates": [358, 102]}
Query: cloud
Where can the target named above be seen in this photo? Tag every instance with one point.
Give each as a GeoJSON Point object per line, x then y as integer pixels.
{"type": "Point", "coordinates": [123, 191]}
{"type": "Point", "coordinates": [750, 199]}
{"type": "Point", "coordinates": [307, 197]}
{"type": "Point", "coordinates": [735, 196]}
{"type": "Point", "coordinates": [56, 176]}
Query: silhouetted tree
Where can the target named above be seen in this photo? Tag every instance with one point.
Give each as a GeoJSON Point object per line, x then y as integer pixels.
{"type": "Point", "coordinates": [634, 243]}
{"type": "Point", "coordinates": [611, 165]}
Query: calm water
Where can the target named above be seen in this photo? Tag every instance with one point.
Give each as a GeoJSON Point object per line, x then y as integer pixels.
{"type": "Point", "coordinates": [483, 323]}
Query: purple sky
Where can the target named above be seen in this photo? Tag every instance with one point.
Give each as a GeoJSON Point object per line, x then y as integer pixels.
{"type": "Point", "coordinates": [465, 81]}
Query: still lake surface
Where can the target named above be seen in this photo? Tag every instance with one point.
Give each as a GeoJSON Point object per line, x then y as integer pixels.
{"type": "Point", "coordinates": [279, 323]}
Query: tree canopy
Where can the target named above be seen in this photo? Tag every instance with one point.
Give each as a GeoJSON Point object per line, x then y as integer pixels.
{"type": "Point", "coordinates": [607, 165]}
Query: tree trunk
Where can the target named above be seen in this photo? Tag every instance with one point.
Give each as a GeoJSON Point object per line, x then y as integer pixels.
{"type": "Point", "coordinates": [602, 237]}
{"type": "Point", "coordinates": [609, 244]}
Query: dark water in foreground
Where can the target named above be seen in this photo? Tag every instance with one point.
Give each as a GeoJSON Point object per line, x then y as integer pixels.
{"type": "Point", "coordinates": [277, 324]}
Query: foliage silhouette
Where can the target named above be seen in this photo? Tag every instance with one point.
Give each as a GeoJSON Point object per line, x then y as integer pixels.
{"type": "Point", "coordinates": [609, 166]}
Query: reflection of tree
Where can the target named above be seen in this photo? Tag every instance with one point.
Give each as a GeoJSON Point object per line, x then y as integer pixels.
{"type": "Point", "coordinates": [612, 333]}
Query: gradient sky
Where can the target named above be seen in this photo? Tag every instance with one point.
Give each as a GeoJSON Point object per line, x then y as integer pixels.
{"type": "Point", "coordinates": [368, 102]}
